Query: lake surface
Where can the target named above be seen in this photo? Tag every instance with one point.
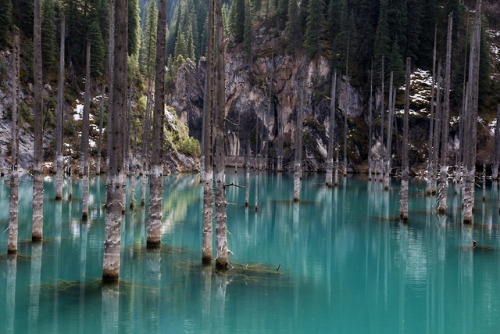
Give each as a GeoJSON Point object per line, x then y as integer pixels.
{"type": "Point", "coordinates": [339, 261]}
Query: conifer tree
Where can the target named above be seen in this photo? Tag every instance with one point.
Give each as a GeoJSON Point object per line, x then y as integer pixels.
{"type": "Point", "coordinates": [134, 22]}
{"type": "Point", "coordinates": [148, 45]}
{"type": "Point", "coordinates": [395, 64]}
{"type": "Point", "coordinates": [180, 47]}
{"type": "Point", "coordinates": [382, 47]}
{"type": "Point", "coordinates": [238, 20]}
{"type": "Point", "coordinates": [314, 23]}
{"type": "Point", "coordinates": [293, 31]}
{"type": "Point", "coordinates": [48, 34]}
{"type": "Point", "coordinates": [98, 56]}
{"type": "Point", "coordinates": [5, 21]}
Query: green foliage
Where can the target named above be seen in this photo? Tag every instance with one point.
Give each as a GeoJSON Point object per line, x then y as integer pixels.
{"type": "Point", "coordinates": [396, 65]}
{"type": "Point", "coordinates": [178, 137]}
{"type": "Point", "coordinates": [180, 46]}
{"type": "Point", "coordinates": [148, 50]}
{"type": "Point", "coordinates": [314, 24]}
{"type": "Point", "coordinates": [22, 16]}
{"type": "Point", "coordinates": [26, 114]}
{"type": "Point", "coordinates": [293, 31]}
{"type": "Point", "coordinates": [238, 20]}
{"type": "Point", "coordinates": [49, 43]}
{"type": "Point", "coordinates": [134, 22]}
{"type": "Point", "coordinates": [98, 54]}
{"type": "Point", "coordinates": [5, 22]}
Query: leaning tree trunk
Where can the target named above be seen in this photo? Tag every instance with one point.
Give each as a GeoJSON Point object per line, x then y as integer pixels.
{"type": "Point", "coordinates": [430, 189]}
{"type": "Point", "coordinates": [85, 139]}
{"type": "Point", "coordinates": [115, 189]}
{"type": "Point", "coordinates": [298, 144]}
{"type": "Point", "coordinates": [496, 158]}
{"type": "Point", "coordinates": [329, 159]}
{"type": "Point", "coordinates": [470, 136]}
{"type": "Point", "coordinates": [387, 167]}
{"type": "Point", "coordinates": [443, 176]}
{"type": "Point", "coordinates": [208, 170]}
{"type": "Point", "coordinates": [222, 260]}
{"type": "Point", "coordinates": [156, 177]}
{"type": "Point", "coordinates": [101, 125]}
{"type": "Point", "coordinates": [14, 179]}
{"type": "Point", "coordinates": [37, 228]}
{"type": "Point", "coordinates": [403, 211]}
{"type": "Point", "coordinates": [59, 115]}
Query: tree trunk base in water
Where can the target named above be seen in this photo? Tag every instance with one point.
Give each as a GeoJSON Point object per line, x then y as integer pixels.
{"type": "Point", "coordinates": [110, 277]}
{"type": "Point", "coordinates": [442, 210]}
{"type": "Point", "coordinates": [386, 188]}
{"type": "Point", "coordinates": [36, 238]}
{"type": "Point", "coordinates": [131, 206]}
{"type": "Point", "coordinates": [296, 200]}
{"type": "Point", "coordinates": [221, 264]}
{"type": "Point", "coordinates": [142, 203]}
{"type": "Point", "coordinates": [85, 216]}
{"type": "Point", "coordinates": [206, 260]}
{"type": "Point", "coordinates": [58, 198]}
{"type": "Point", "coordinates": [12, 251]}
{"type": "Point", "coordinates": [467, 221]}
{"type": "Point", "coordinates": [153, 244]}
{"type": "Point", "coordinates": [404, 218]}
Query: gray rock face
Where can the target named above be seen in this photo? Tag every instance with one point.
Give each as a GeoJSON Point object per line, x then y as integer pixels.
{"type": "Point", "coordinates": [261, 91]}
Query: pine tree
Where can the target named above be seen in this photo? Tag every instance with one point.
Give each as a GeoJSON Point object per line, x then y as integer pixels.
{"type": "Point", "coordinates": [5, 22]}
{"type": "Point", "coordinates": [382, 46]}
{"type": "Point", "coordinates": [190, 44]}
{"type": "Point", "coordinates": [293, 25]}
{"type": "Point", "coordinates": [395, 64]}
{"type": "Point", "coordinates": [314, 23]}
{"type": "Point", "coordinates": [247, 33]}
{"type": "Point", "coordinates": [238, 20]}
{"type": "Point", "coordinates": [180, 46]}
{"type": "Point", "coordinates": [148, 50]}
{"type": "Point", "coordinates": [134, 23]}
{"type": "Point", "coordinates": [98, 57]}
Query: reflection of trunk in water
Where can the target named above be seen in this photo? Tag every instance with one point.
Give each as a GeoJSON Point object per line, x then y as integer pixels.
{"type": "Point", "coordinates": [11, 293]}
{"type": "Point", "coordinates": [34, 290]}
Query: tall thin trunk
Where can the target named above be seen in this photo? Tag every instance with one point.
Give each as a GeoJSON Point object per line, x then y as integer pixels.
{"type": "Point", "coordinates": [280, 142]}
{"type": "Point", "coordinates": [85, 139]}
{"type": "Point", "coordinates": [208, 127]}
{"type": "Point", "coordinates": [111, 70]}
{"type": "Point", "coordinates": [247, 175]}
{"type": "Point", "coordinates": [430, 163]}
{"type": "Point", "coordinates": [443, 179]}
{"type": "Point", "coordinates": [14, 179]}
{"type": "Point", "coordinates": [403, 211]}
{"type": "Point", "coordinates": [101, 125]}
{"type": "Point", "coordinates": [146, 146]}
{"type": "Point", "coordinates": [382, 112]}
{"type": "Point", "coordinates": [496, 157]}
{"type": "Point", "coordinates": [438, 113]}
{"type": "Point", "coordinates": [472, 107]}
{"type": "Point", "coordinates": [156, 177]}
{"type": "Point", "coordinates": [460, 155]}
{"type": "Point", "coordinates": [370, 126]}
{"type": "Point", "coordinates": [387, 167]}
{"type": "Point", "coordinates": [222, 260]}
{"type": "Point", "coordinates": [298, 142]}
{"type": "Point", "coordinates": [329, 158]}
{"type": "Point", "coordinates": [37, 228]}
{"type": "Point", "coordinates": [59, 115]}
{"type": "Point", "coordinates": [346, 133]}
{"type": "Point", "coordinates": [114, 198]}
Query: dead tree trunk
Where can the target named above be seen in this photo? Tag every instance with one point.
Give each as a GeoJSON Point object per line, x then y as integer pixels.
{"type": "Point", "coordinates": [156, 177]}
{"type": "Point", "coordinates": [115, 189]}
{"type": "Point", "coordinates": [37, 228]}
{"type": "Point", "coordinates": [388, 158]}
{"type": "Point", "coordinates": [101, 125]}
{"type": "Point", "coordinates": [331, 130]}
{"type": "Point", "coordinates": [247, 175]}
{"type": "Point", "coordinates": [59, 115]}
{"type": "Point", "coordinates": [14, 179]}
{"type": "Point", "coordinates": [370, 126]}
{"type": "Point", "coordinates": [430, 189]}
{"type": "Point", "coordinates": [208, 178]}
{"type": "Point", "coordinates": [85, 139]}
{"type": "Point", "coordinates": [298, 144]}
{"type": "Point", "coordinates": [382, 112]}
{"type": "Point", "coordinates": [438, 114]}
{"type": "Point", "coordinates": [405, 170]}
{"type": "Point", "coordinates": [222, 260]}
{"type": "Point", "coordinates": [496, 157]}
{"type": "Point", "coordinates": [443, 177]}
{"type": "Point", "coordinates": [471, 128]}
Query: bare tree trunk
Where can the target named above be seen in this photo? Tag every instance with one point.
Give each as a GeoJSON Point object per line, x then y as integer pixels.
{"type": "Point", "coordinates": [370, 126]}
{"type": "Point", "coordinates": [208, 127]}
{"type": "Point", "coordinates": [430, 159]}
{"type": "Point", "coordinates": [443, 179]}
{"type": "Point", "coordinates": [331, 130]}
{"type": "Point", "coordinates": [387, 169]}
{"type": "Point", "coordinates": [59, 115]}
{"type": "Point", "coordinates": [222, 260]}
{"type": "Point", "coordinates": [114, 205]}
{"type": "Point", "coordinates": [146, 147]}
{"type": "Point", "coordinates": [471, 125]}
{"type": "Point", "coordinates": [156, 177]}
{"type": "Point", "coordinates": [37, 228]}
{"type": "Point", "coordinates": [14, 179]}
{"type": "Point", "coordinates": [496, 157]}
{"type": "Point", "coordinates": [382, 112]}
{"type": "Point", "coordinates": [298, 143]}
{"type": "Point", "coordinates": [247, 175]}
{"type": "Point", "coordinates": [403, 211]}
{"type": "Point", "coordinates": [346, 132]}
{"type": "Point", "coordinates": [101, 125]}
{"type": "Point", "coordinates": [438, 113]}
{"type": "Point", "coordinates": [85, 139]}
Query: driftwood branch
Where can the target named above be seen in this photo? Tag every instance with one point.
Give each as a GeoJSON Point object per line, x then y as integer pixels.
{"type": "Point", "coordinates": [234, 185]}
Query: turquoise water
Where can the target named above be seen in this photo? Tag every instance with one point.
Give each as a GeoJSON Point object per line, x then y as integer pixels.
{"type": "Point", "coordinates": [338, 262]}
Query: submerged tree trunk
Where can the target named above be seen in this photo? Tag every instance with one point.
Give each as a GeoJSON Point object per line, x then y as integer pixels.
{"type": "Point", "coordinates": [298, 144]}
{"type": "Point", "coordinates": [101, 125]}
{"type": "Point", "coordinates": [59, 116]}
{"type": "Point", "coordinates": [405, 170]}
{"type": "Point", "coordinates": [388, 157]}
{"type": "Point", "coordinates": [222, 260]}
{"type": "Point", "coordinates": [156, 177]}
{"type": "Point", "coordinates": [470, 135]}
{"type": "Point", "coordinates": [329, 158]}
{"type": "Point", "coordinates": [443, 176]}
{"type": "Point", "coordinates": [37, 228]}
{"type": "Point", "coordinates": [85, 139]}
{"type": "Point", "coordinates": [247, 175]}
{"type": "Point", "coordinates": [14, 179]}
{"type": "Point", "coordinates": [430, 189]}
{"type": "Point", "coordinates": [496, 157]}
{"type": "Point", "coordinates": [208, 178]}
{"type": "Point", "coordinates": [114, 198]}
